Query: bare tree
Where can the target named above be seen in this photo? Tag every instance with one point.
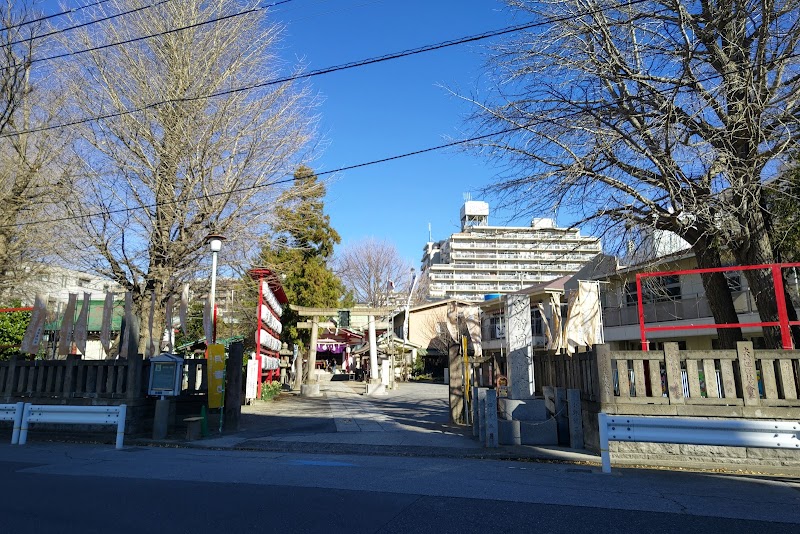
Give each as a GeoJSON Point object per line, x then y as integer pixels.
{"type": "Point", "coordinates": [171, 164]}
{"type": "Point", "coordinates": [30, 185]}
{"type": "Point", "coordinates": [372, 269]}
{"type": "Point", "coordinates": [660, 114]}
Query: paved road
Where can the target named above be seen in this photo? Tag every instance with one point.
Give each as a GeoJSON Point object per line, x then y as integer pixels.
{"type": "Point", "coordinates": [348, 463]}
{"type": "Point", "coordinates": [85, 489]}
{"type": "Point", "coordinates": [411, 420]}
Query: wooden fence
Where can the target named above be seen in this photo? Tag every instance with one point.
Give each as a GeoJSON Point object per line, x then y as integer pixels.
{"type": "Point", "coordinates": [73, 378]}
{"type": "Point", "coordinates": [715, 383]}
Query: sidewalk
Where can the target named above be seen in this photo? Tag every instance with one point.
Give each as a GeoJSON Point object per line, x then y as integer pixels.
{"type": "Point", "coordinates": [410, 420]}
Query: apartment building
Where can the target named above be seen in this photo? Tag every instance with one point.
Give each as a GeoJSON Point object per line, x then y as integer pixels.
{"type": "Point", "coordinates": [484, 260]}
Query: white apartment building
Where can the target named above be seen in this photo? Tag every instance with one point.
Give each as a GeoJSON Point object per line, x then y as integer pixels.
{"type": "Point", "coordinates": [484, 260]}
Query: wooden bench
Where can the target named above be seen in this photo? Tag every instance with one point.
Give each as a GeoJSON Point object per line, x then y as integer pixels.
{"type": "Point", "coordinates": [193, 428]}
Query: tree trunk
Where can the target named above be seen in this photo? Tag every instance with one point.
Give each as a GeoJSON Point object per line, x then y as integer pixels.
{"type": "Point", "coordinates": [718, 294]}
{"type": "Point", "coordinates": [141, 306]}
{"type": "Point", "coordinates": [757, 250]}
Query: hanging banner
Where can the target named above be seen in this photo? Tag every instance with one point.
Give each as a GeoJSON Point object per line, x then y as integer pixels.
{"type": "Point", "coordinates": [67, 322]}
{"type": "Point", "coordinates": [105, 327]}
{"type": "Point", "coordinates": [208, 321]}
{"type": "Point", "coordinates": [126, 332]}
{"type": "Point", "coordinates": [82, 324]}
{"type": "Point", "coordinates": [168, 327]}
{"type": "Point", "coordinates": [151, 346]}
{"type": "Point", "coordinates": [33, 334]}
{"type": "Point", "coordinates": [251, 382]}
{"type": "Point", "coordinates": [215, 353]}
{"type": "Point", "coordinates": [184, 309]}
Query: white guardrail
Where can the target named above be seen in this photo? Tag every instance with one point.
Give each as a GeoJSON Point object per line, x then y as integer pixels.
{"type": "Point", "coordinates": [12, 412]}
{"type": "Point", "coordinates": [83, 415]}
{"type": "Point", "coordinates": [696, 431]}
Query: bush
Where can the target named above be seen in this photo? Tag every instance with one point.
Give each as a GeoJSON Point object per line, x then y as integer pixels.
{"type": "Point", "coordinates": [270, 390]}
{"type": "Point", "coordinates": [422, 377]}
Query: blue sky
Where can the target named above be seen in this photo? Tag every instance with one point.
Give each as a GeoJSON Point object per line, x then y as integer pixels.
{"type": "Point", "coordinates": [378, 111]}
{"type": "Point", "coordinates": [383, 110]}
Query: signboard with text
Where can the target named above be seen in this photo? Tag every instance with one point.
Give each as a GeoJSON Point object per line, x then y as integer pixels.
{"type": "Point", "coordinates": [215, 353]}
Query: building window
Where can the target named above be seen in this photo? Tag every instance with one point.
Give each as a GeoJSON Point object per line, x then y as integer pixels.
{"type": "Point", "coordinates": [84, 282]}
{"type": "Point", "coordinates": [537, 323]}
{"type": "Point", "coordinates": [654, 289]}
{"type": "Point", "coordinates": [496, 328]}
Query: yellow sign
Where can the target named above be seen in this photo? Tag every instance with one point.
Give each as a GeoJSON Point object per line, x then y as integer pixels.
{"type": "Point", "coordinates": [215, 354]}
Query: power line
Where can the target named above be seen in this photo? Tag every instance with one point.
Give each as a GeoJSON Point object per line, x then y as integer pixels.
{"type": "Point", "coordinates": [82, 25]}
{"type": "Point", "coordinates": [144, 37]}
{"type": "Point", "coordinates": [129, 209]}
{"type": "Point", "coordinates": [317, 72]}
{"type": "Point", "coordinates": [54, 15]}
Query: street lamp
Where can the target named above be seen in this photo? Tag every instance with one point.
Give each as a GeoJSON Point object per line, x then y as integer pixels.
{"type": "Point", "coordinates": [215, 243]}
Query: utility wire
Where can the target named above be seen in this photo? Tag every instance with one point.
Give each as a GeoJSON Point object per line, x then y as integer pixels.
{"type": "Point", "coordinates": [227, 192]}
{"type": "Point", "coordinates": [144, 37]}
{"type": "Point", "coordinates": [83, 25]}
{"type": "Point", "coordinates": [317, 72]}
{"type": "Point", "coordinates": [54, 15]}
{"type": "Point", "coordinates": [341, 169]}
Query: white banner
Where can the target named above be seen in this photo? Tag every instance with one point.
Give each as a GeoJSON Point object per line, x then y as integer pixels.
{"type": "Point", "coordinates": [67, 322]}
{"type": "Point", "coordinates": [82, 324]}
{"type": "Point", "coordinates": [184, 309]}
{"type": "Point", "coordinates": [208, 321]}
{"type": "Point", "coordinates": [105, 327]}
{"type": "Point", "coordinates": [170, 331]}
{"type": "Point", "coordinates": [33, 334]}
{"type": "Point", "coordinates": [151, 346]}
{"type": "Point", "coordinates": [126, 333]}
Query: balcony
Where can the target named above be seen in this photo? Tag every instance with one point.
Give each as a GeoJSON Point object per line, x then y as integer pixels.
{"type": "Point", "coordinates": [688, 307]}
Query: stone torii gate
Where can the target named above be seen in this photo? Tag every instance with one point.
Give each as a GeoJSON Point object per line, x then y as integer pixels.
{"type": "Point", "coordinates": [311, 386]}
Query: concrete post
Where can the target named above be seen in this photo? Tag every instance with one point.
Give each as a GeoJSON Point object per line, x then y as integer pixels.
{"type": "Point", "coordinates": [562, 420]}
{"type": "Point", "coordinates": [490, 419]}
{"type": "Point", "coordinates": [312, 352]}
{"type": "Point", "coordinates": [475, 416]}
{"type": "Point", "coordinates": [519, 340]}
{"type": "Point", "coordinates": [575, 418]}
{"type": "Point", "coordinates": [482, 414]}
{"type": "Point", "coordinates": [373, 350]}
{"type": "Point", "coordinates": [385, 373]}
{"type": "Point", "coordinates": [233, 387]}
{"type": "Point", "coordinates": [161, 419]}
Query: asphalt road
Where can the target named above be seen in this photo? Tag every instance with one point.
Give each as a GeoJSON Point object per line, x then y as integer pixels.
{"type": "Point", "coordinates": [71, 488]}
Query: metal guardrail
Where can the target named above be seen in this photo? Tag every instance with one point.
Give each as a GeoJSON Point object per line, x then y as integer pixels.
{"type": "Point", "coordinates": [696, 431]}
{"type": "Point", "coordinates": [13, 412]}
{"type": "Point", "coordinates": [82, 415]}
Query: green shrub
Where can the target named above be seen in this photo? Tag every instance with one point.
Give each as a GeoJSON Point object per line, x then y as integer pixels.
{"type": "Point", "coordinates": [270, 390]}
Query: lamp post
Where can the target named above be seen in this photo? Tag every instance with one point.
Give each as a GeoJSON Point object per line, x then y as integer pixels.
{"type": "Point", "coordinates": [215, 243]}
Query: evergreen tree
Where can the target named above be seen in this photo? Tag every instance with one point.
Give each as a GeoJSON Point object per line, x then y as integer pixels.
{"type": "Point", "coordinates": [299, 250]}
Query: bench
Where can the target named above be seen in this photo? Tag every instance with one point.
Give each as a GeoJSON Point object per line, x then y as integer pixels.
{"type": "Point", "coordinates": [193, 428]}
{"type": "Point", "coordinates": [13, 412]}
{"type": "Point", "coordinates": [79, 415]}
{"type": "Point", "coordinates": [696, 431]}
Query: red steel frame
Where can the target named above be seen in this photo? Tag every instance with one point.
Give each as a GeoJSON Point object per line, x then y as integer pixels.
{"type": "Point", "coordinates": [777, 280]}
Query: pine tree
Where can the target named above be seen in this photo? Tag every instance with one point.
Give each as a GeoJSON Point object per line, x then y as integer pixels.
{"type": "Point", "coordinates": [299, 250]}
